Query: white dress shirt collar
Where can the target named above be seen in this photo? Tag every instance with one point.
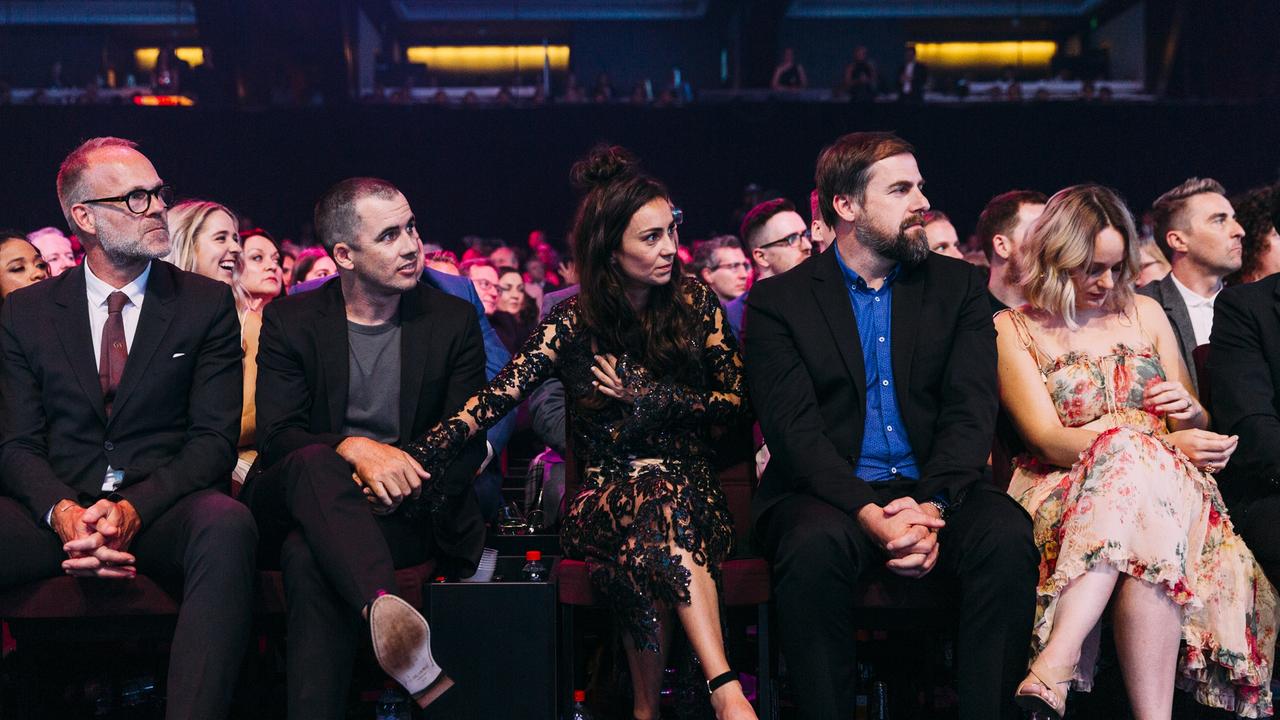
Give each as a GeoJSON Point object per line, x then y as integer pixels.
{"type": "Point", "coordinates": [97, 289]}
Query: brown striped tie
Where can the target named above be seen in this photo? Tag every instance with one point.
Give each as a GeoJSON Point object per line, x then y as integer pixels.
{"type": "Point", "coordinates": [115, 351]}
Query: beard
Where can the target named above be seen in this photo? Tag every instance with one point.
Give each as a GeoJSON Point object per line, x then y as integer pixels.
{"type": "Point", "coordinates": [909, 245]}
{"type": "Point", "coordinates": [124, 248]}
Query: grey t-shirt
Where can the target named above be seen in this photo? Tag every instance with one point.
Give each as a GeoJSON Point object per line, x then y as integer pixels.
{"type": "Point", "coordinates": [373, 394]}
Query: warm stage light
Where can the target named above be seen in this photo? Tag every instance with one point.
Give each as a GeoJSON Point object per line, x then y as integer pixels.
{"type": "Point", "coordinates": [958, 55]}
{"type": "Point", "coordinates": [477, 59]}
{"type": "Point", "coordinates": [163, 101]}
{"type": "Point", "coordinates": [146, 57]}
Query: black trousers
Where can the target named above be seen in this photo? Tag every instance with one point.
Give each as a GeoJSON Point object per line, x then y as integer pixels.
{"type": "Point", "coordinates": [205, 542]}
{"type": "Point", "coordinates": [336, 556]}
{"type": "Point", "coordinates": [819, 552]}
{"type": "Point", "coordinates": [1257, 519]}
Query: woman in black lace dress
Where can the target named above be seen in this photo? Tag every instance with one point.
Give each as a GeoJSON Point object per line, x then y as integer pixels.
{"type": "Point", "coordinates": [649, 365]}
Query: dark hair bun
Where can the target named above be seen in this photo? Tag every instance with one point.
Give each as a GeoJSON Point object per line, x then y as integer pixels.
{"type": "Point", "coordinates": [604, 165]}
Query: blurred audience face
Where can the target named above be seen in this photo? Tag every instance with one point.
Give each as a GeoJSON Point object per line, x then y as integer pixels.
{"type": "Point", "coordinates": [943, 239]}
{"type": "Point", "coordinates": [504, 257]}
{"type": "Point", "coordinates": [1210, 236]}
{"type": "Point", "coordinates": [511, 295]}
{"type": "Point", "coordinates": [1269, 255]}
{"type": "Point", "coordinates": [727, 273]}
{"type": "Point", "coordinates": [386, 255]}
{"type": "Point", "coordinates": [786, 244]}
{"type": "Point", "coordinates": [646, 256]}
{"type": "Point", "coordinates": [485, 279]}
{"type": "Point", "coordinates": [1150, 268]}
{"type": "Point", "coordinates": [55, 248]}
{"type": "Point", "coordinates": [536, 271]}
{"type": "Point", "coordinates": [323, 267]}
{"type": "Point", "coordinates": [217, 246]}
{"type": "Point", "coordinates": [286, 264]}
{"type": "Point", "coordinates": [20, 265]}
{"type": "Point", "coordinates": [262, 276]}
{"type": "Point", "coordinates": [819, 234]}
{"type": "Point", "coordinates": [1094, 283]}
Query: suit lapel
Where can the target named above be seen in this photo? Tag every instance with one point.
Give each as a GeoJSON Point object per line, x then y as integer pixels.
{"type": "Point", "coordinates": [153, 323]}
{"type": "Point", "coordinates": [833, 300]}
{"type": "Point", "coordinates": [1176, 308]}
{"type": "Point", "coordinates": [417, 334]}
{"type": "Point", "coordinates": [904, 322]}
{"type": "Point", "coordinates": [77, 338]}
{"type": "Point", "coordinates": [333, 350]}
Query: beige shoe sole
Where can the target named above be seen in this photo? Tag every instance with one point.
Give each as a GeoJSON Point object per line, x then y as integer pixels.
{"type": "Point", "coordinates": [402, 645]}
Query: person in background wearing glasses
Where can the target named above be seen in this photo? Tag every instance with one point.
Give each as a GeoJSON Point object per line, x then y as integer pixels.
{"type": "Point", "coordinates": [721, 264]}
{"type": "Point", "coordinates": [778, 239]}
{"type": "Point", "coordinates": [135, 477]}
{"type": "Point", "coordinates": [484, 276]}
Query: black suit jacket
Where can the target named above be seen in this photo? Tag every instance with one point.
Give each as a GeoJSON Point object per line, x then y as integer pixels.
{"type": "Point", "coordinates": [1175, 308]}
{"type": "Point", "coordinates": [807, 379]}
{"type": "Point", "coordinates": [176, 415]}
{"type": "Point", "coordinates": [303, 377]}
{"type": "Point", "coordinates": [1244, 367]}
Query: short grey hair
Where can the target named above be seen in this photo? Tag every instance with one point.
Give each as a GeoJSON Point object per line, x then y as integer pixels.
{"type": "Point", "coordinates": [71, 171]}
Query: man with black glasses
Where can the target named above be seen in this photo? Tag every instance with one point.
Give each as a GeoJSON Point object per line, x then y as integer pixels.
{"type": "Point", "coordinates": [778, 240]}
{"type": "Point", "coordinates": [121, 385]}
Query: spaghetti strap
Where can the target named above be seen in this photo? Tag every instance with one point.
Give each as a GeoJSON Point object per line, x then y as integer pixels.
{"type": "Point", "coordinates": [1137, 315]}
{"type": "Point", "coordinates": [1025, 337]}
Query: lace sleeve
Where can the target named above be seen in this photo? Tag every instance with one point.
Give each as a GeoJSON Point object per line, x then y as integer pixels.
{"type": "Point", "coordinates": [726, 401]}
{"type": "Point", "coordinates": [536, 361]}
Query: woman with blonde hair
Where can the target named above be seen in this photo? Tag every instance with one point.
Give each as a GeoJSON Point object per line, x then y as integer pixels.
{"type": "Point", "coordinates": [206, 241]}
{"type": "Point", "coordinates": [1118, 480]}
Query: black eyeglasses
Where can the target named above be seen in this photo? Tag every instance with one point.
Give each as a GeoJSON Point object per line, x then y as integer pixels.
{"type": "Point", "coordinates": [790, 240]}
{"type": "Point", "coordinates": [139, 201]}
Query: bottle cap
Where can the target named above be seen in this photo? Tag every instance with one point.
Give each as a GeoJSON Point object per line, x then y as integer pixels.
{"type": "Point", "coordinates": [578, 695]}
{"type": "Point", "coordinates": [532, 555]}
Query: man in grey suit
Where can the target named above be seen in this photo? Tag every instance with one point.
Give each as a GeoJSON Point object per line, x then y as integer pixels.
{"type": "Point", "coordinates": [1196, 228]}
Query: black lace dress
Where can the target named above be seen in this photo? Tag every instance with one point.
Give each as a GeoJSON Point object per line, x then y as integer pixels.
{"type": "Point", "coordinates": [648, 475]}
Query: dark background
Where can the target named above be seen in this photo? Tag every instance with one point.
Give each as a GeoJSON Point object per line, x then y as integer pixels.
{"type": "Point", "coordinates": [503, 172]}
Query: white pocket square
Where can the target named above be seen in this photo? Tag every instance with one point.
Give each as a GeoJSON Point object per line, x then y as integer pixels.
{"type": "Point", "coordinates": [177, 355]}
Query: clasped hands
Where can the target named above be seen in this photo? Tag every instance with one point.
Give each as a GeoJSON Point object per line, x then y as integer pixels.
{"type": "Point", "coordinates": [96, 539]}
{"type": "Point", "coordinates": [387, 474]}
{"type": "Point", "coordinates": [1209, 451]}
{"type": "Point", "coordinates": [907, 532]}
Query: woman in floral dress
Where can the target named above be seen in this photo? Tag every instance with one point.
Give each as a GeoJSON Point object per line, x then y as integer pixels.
{"type": "Point", "coordinates": [1118, 479]}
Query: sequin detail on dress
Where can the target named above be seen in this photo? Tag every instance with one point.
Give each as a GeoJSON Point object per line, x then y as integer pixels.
{"type": "Point", "coordinates": [648, 481]}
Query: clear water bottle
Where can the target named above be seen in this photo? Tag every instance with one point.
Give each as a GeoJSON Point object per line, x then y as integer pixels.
{"type": "Point", "coordinates": [392, 706]}
{"type": "Point", "coordinates": [534, 570]}
{"type": "Point", "coordinates": [579, 709]}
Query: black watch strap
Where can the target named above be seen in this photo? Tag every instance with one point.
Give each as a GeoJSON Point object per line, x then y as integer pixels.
{"type": "Point", "coordinates": [721, 680]}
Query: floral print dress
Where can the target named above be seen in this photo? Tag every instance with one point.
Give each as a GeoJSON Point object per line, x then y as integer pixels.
{"type": "Point", "coordinates": [649, 481]}
{"type": "Point", "coordinates": [1137, 503]}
